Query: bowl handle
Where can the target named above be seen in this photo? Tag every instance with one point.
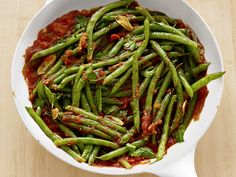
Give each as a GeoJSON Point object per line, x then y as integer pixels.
{"type": "Point", "coordinates": [184, 167]}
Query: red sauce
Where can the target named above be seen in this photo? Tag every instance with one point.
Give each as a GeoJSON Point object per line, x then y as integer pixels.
{"type": "Point", "coordinates": [114, 37]}
{"type": "Point", "coordinates": [126, 102]}
{"type": "Point", "coordinates": [146, 121]}
{"type": "Point", "coordinates": [202, 95]}
{"type": "Point", "coordinates": [152, 146]}
{"type": "Point", "coordinates": [108, 163]}
{"type": "Point", "coordinates": [133, 4]}
{"type": "Point", "coordinates": [181, 24]}
{"type": "Point", "coordinates": [170, 142]}
{"type": "Point", "coordinates": [31, 77]}
{"type": "Point", "coordinates": [52, 125]}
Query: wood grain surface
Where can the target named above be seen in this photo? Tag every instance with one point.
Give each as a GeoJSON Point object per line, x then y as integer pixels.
{"type": "Point", "coordinates": [22, 156]}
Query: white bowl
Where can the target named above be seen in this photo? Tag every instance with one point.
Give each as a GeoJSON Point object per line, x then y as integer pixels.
{"type": "Point", "coordinates": [179, 161]}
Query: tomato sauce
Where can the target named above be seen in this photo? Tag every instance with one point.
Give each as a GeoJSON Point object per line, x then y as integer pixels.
{"type": "Point", "coordinates": [146, 122]}
{"type": "Point", "coordinates": [202, 95]}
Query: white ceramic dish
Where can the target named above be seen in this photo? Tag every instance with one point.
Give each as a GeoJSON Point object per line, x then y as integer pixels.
{"type": "Point", "coordinates": [179, 161]}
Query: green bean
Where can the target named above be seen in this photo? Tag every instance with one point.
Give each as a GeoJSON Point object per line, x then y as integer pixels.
{"type": "Point", "coordinates": [78, 76]}
{"type": "Point", "coordinates": [135, 75]}
{"type": "Point", "coordinates": [110, 110]}
{"type": "Point", "coordinates": [164, 21]}
{"type": "Point", "coordinates": [50, 96]}
{"type": "Point", "coordinates": [35, 91]}
{"type": "Point", "coordinates": [145, 13]}
{"type": "Point", "coordinates": [155, 78]}
{"type": "Point", "coordinates": [84, 103]}
{"type": "Point", "coordinates": [164, 136]}
{"type": "Point", "coordinates": [114, 119]}
{"type": "Point", "coordinates": [143, 152]}
{"type": "Point", "coordinates": [90, 99]}
{"type": "Point", "coordinates": [144, 85]}
{"type": "Point", "coordinates": [173, 37]}
{"type": "Point", "coordinates": [159, 115]}
{"type": "Point", "coordinates": [76, 93]}
{"type": "Point", "coordinates": [52, 135]}
{"type": "Point", "coordinates": [200, 68]}
{"type": "Point", "coordinates": [69, 133]}
{"type": "Point", "coordinates": [130, 18]}
{"type": "Point", "coordinates": [93, 154]}
{"type": "Point", "coordinates": [161, 111]}
{"type": "Point", "coordinates": [111, 101]}
{"type": "Point", "coordinates": [92, 22]}
{"type": "Point", "coordinates": [161, 27]}
{"type": "Point", "coordinates": [74, 147]}
{"type": "Point", "coordinates": [179, 134]}
{"type": "Point", "coordinates": [185, 83]}
{"type": "Point", "coordinates": [126, 66]}
{"type": "Point", "coordinates": [205, 80]}
{"type": "Point", "coordinates": [66, 81]}
{"type": "Point", "coordinates": [39, 110]}
{"type": "Point", "coordinates": [160, 82]}
{"type": "Point", "coordinates": [125, 163]}
{"type": "Point", "coordinates": [120, 12]}
{"type": "Point", "coordinates": [121, 81]}
{"type": "Point", "coordinates": [55, 68]}
{"type": "Point", "coordinates": [116, 49]}
{"type": "Point", "coordinates": [92, 123]}
{"type": "Point", "coordinates": [166, 48]}
{"type": "Point", "coordinates": [46, 64]}
{"type": "Point", "coordinates": [168, 19]}
{"type": "Point", "coordinates": [57, 74]}
{"type": "Point", "coordinates": [87, 129]}
{"type": "Point", "coordinates": [85, 140]}
{"type": "Point", "coordinates": [105, 30]}
{"type": "Point", "coordinates": [148, 72]}
{"type": "Point", "coordinates": [122, 94]}
{"type": "Point", "coordinates": [176, 54]}
{"type": "Point", "coordinates": [96, 118]}
{"type": "Point", "coordinates": [68, 41]}
{"type": "Point", "coordinates": [192, 64]}
{"type": "Point", "coordinates": [87, 151]}
{"type": "Point", "coordinates": [107, 49]}
{"type": "Point", "coordinates": [60, 78]}
{"type": "Point", "coordinates": [118, 71]}
{"type": "Point", "coordinates": [40, 90]}
{"type": "Point", "coordinates": [128, 135]}
{"type": "Point", "coordinates": [98, 98]}
{"type": "Point", "coordinates": [111, 61]}
{"type": "Point", "coordinates": [121, 151]}
{"type": "Point", "coordinates": [72, 70]}
{"type": "Point", "coordinates": [67, 90]}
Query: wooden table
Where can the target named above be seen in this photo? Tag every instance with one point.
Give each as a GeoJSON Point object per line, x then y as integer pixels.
{"type": "Point", "coordinates": [22, 156]}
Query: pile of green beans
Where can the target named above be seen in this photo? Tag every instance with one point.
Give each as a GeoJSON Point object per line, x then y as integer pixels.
{"type": "Point", "coordinates": [136, 83]}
